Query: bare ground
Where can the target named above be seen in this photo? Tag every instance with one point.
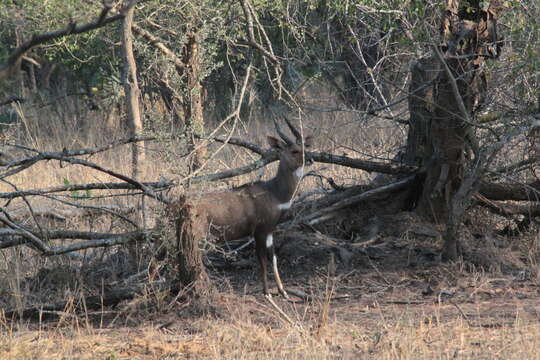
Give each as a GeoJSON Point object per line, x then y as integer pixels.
{"type": "Point", "coordinates": [389, 298]}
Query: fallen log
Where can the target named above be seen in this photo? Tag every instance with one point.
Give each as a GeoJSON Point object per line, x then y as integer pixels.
{"type": "Point", "coordinates": [331, 211]}
{"type": "Point", "coordinates": [504, 191]}
{"type": "Point", "coordinates": [54, 311]}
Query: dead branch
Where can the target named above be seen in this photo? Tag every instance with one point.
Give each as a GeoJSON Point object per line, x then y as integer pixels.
{"type": "Point", "coordinates": [271, 156]}
{"type": "Point", "coordinates": [530, 210]}
{"type": "Point", "coordinates": [242, 143]}
{"type": "Point", "coordinates": [68, 157]}
{"type": "Point", "coordinates": [32, 238]}
{"type": "Point", "coordinates": [266, 159]}
{"type": "Point", "coordinates": [517, 192]}
{"type": "Point", "coordinates": [81, 152]}
{"type": "Point", "coordinates": [16, 236]}
{"type": "Point", "coordinates": [327, 200]}
{"type": "Point", "coordinates": [329, 212]}
{"type": "Point", "coordinates": [63, 213]}
{"type": "Point", "coordinates": [523, 164]}
{"type": "Point", "coordinates": [369, 166]}
{"type": "Point", "coordinates": [111, 297]}
{"type": "Point", "coordinates": [157, 186]}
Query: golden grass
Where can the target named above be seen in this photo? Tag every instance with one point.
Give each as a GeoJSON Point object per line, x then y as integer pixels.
{"type": "Point", "coordinates": [251, 331]}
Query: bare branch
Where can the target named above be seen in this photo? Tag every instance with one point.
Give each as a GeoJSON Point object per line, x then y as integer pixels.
{"type": "Point", "coordinates": [370, 166]}
{"type": "Point", "coordinates": [160, 185]}
{"type": "Point", "coordinates": [16, 236]}
{"type": "Point", "coordinates": [158, 44]}
{"type": "Point", "coordinates": [251, 34]}
{"type": "Point", "coordinates": [269, 157]}
{"type": "Point", "coordinates": [37, 242]}
{"type": "Point", "coordinates": [112, 297]}
{"type": "Point", "coordinates": [516, 166]}
{"type": "Point", "coordinates": [242, 143]}
{"type": "Point", "coordinates": [532, 210]}
{"type": "Point", "coordinates": [65, 156]}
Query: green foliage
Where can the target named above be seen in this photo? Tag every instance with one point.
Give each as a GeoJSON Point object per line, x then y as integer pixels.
{"type": "Point", "coordinates": [315, 39]}
{"type": "Point", "coordinates": [83, 55]}
{"type": "Point", "coordinates": [76, 194]}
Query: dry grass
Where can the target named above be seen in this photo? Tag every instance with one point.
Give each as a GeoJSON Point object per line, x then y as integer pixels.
{"type": "Point", "coordinates": [250, 330]}
{"type": "Point", "coordinates": [380, 313]}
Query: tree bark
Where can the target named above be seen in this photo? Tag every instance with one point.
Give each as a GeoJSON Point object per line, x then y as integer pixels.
{"type": "Point", "coordinates": [192, 274]}
{"type": "Point", "coordinates": [193, 104]}
{"type": "Point", "coordinates": [131, 87]}
{"type": "Point", "coordinates": [445, 90]}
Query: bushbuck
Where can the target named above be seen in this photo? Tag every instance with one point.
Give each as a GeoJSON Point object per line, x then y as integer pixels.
{"type": "Point", "coordinates": [252, 209]}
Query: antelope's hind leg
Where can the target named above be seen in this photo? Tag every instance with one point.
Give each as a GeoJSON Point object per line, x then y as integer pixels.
{"type": "Point", "coordinates": [260, 246]}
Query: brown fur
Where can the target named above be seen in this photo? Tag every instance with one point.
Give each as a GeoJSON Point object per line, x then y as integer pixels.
{"type": "Point", "coordinates": [250, 210]}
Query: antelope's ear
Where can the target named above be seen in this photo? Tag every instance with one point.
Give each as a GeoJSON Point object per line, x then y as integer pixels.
{"type": "Point", "coordinates": [275, 143]}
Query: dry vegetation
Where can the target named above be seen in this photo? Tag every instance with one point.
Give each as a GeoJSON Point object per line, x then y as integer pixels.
{"type": "Point", "coordinates": [491, 322]}
{"type": "Point", "coordinates": [382, 297]}
{"type": "Point", "coordinates": [377, 286]}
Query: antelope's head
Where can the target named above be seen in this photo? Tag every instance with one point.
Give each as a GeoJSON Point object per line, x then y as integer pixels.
{"type": "Point", "coordinates": [293, 154]}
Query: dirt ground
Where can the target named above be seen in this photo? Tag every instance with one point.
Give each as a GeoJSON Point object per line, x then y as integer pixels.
{"type": "Point", "coordinates": [388, 298]}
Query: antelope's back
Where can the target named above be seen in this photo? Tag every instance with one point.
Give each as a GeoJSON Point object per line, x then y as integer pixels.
{"type": "Point", "coordinates": [229, 215]}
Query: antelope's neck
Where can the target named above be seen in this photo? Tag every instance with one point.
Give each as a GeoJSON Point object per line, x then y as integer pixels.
{"type": "Point", "coordinates": [284, 185]}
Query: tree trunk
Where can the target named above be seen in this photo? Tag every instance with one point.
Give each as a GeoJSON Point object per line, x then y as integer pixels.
{"type": "Point", "coordinates": [445, 91]}
{"type": "Point", "coordinates": [131, 87]}
{"type": "Point", "coordinates": [192, 274]}
{"type": "Point", "coordinates": [193, 104]}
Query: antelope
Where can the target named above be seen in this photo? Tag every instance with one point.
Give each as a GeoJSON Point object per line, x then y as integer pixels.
{"type": "Point", "coordinates": [254, 209]}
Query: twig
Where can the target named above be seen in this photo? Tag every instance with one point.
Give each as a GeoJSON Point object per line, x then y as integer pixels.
{"type": "Point", "coordinates": [278, 309]}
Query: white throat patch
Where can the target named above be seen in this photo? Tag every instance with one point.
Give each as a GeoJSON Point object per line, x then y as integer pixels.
{"type": "Point", "coordinates": [285, 206]}
{"type": "Point", "coordinates": [299, 172]}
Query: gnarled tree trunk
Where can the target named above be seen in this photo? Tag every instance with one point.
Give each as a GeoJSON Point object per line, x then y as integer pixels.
{"type": "Point", "coordinates": [192, 274]}
{"type": "Point", "coordinates": [445, 91]}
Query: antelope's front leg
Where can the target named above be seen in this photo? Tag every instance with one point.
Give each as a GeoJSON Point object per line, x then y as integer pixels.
{"type": "Point", "coordinates": [272, 253]}
{"type": "Point", "coordinates": [260, 246]}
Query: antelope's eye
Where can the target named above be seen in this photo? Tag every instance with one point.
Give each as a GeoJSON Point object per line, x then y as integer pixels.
{"type": "Point", "coordinates": [295, 151]}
